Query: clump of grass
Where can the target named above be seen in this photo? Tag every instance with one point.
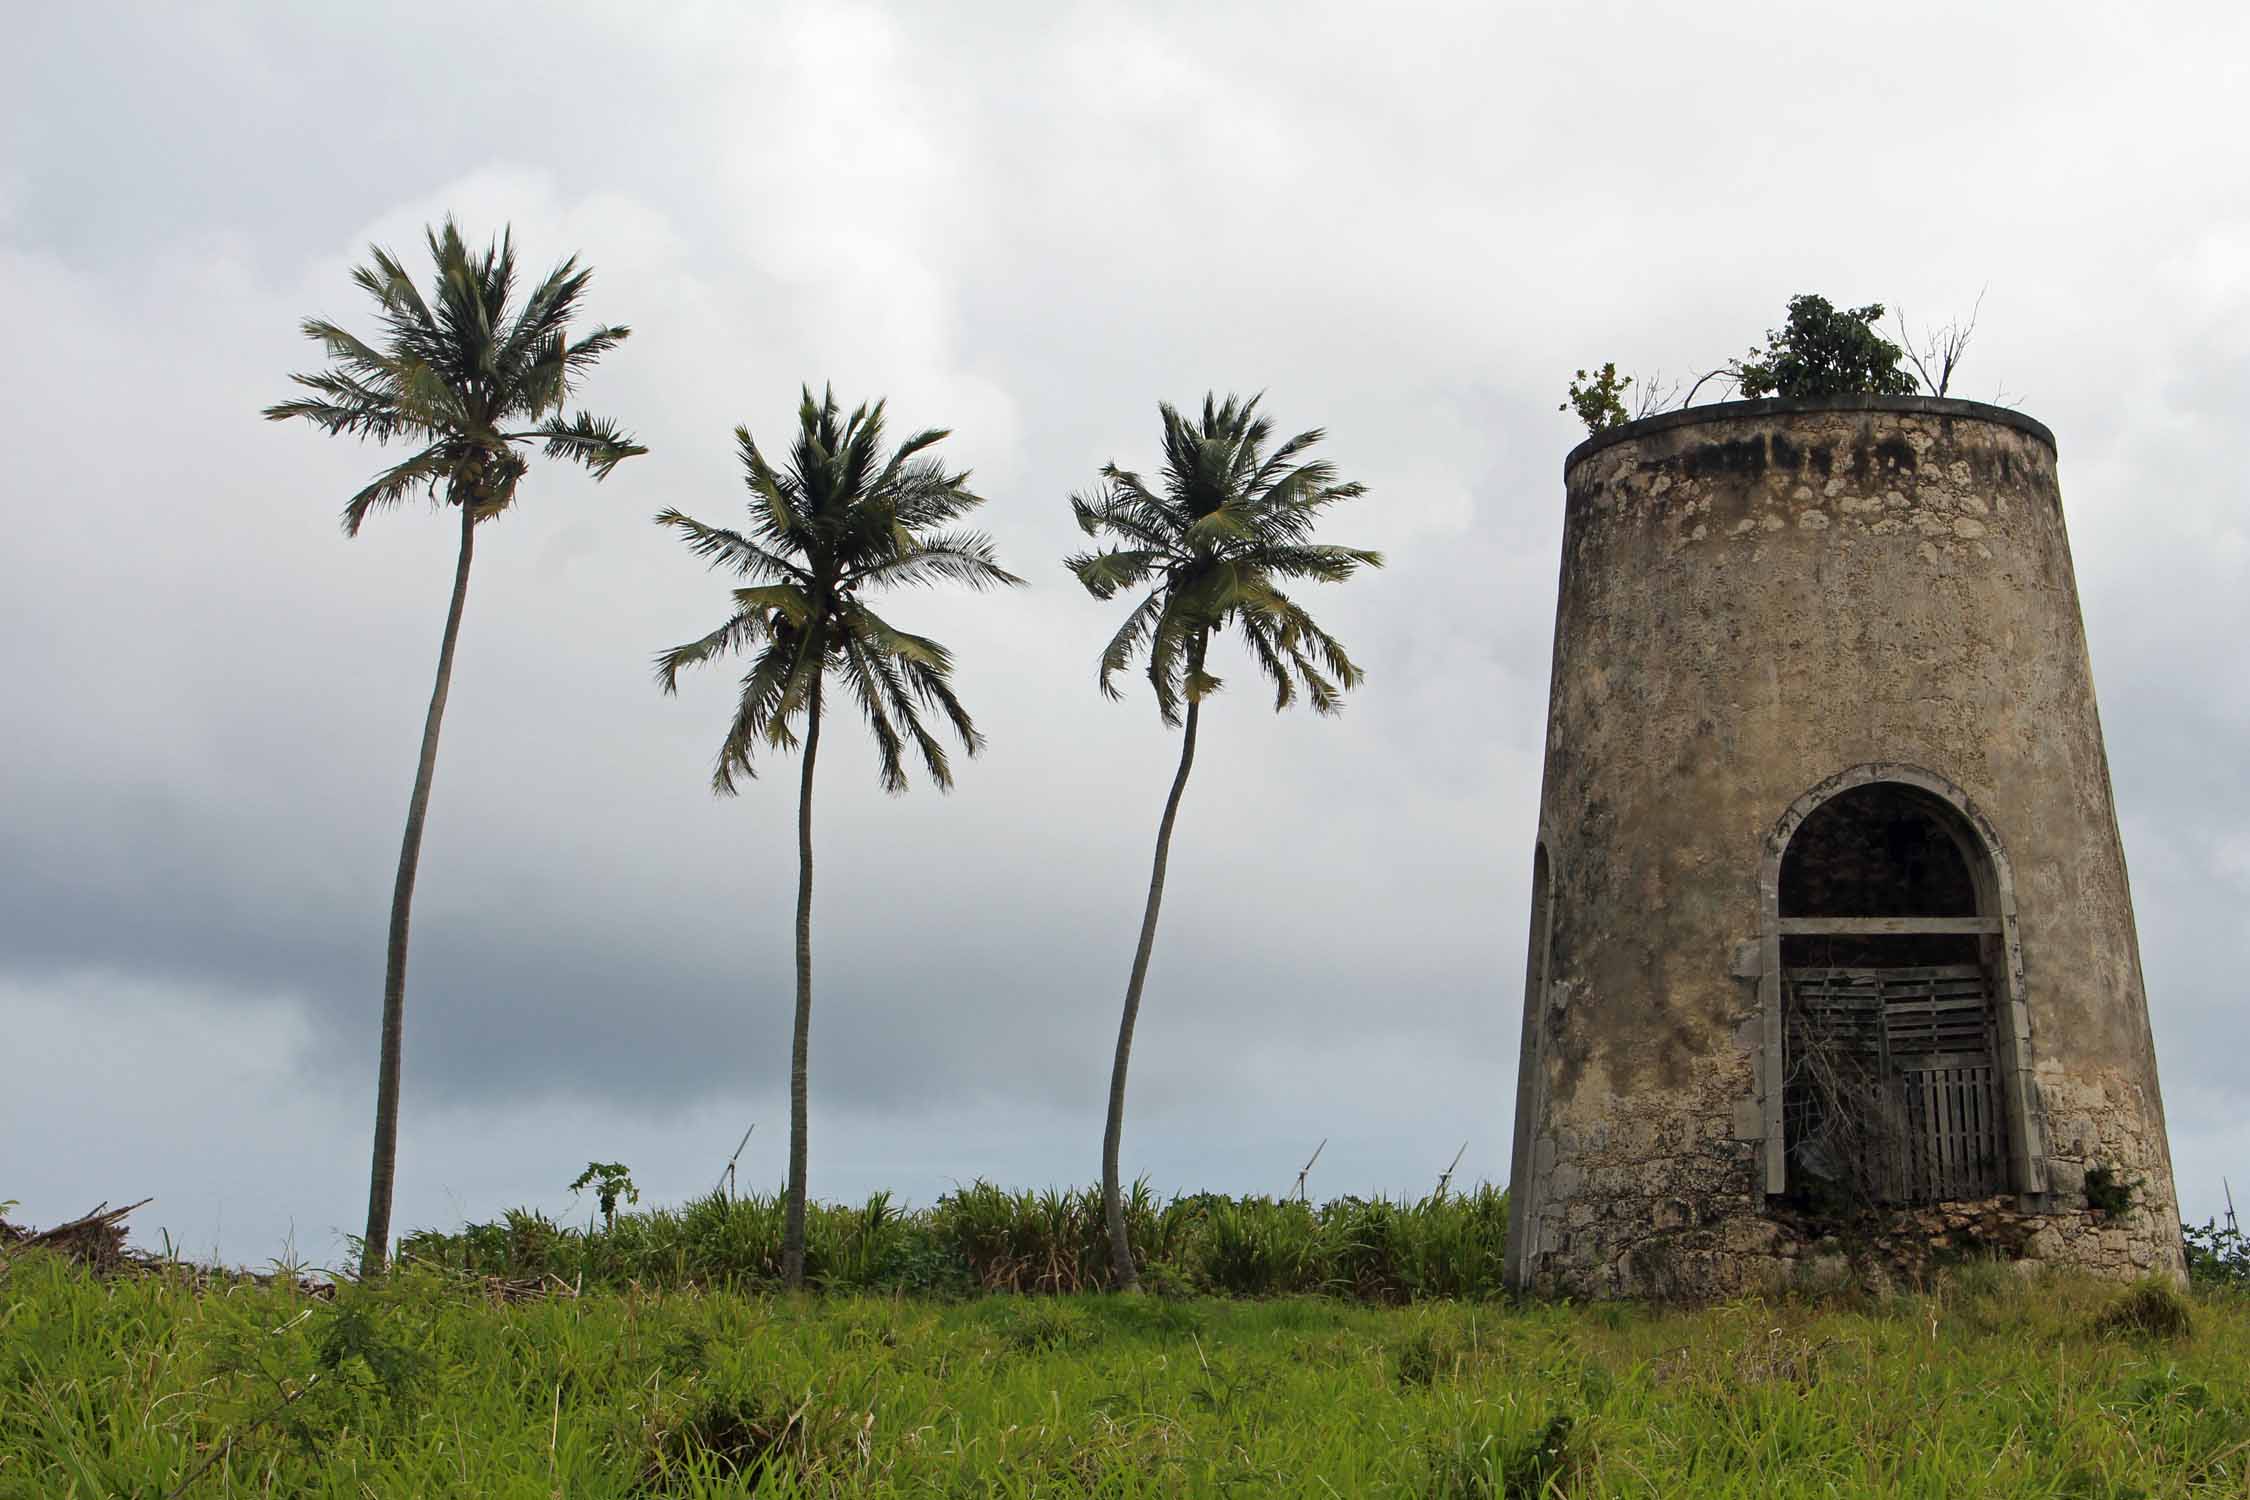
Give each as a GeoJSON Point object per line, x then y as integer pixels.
{"type": "Point", "coordinates": [1037, 1327]}
{"type": "Point", "coordinates": [744, 1439]}
{"type": "Point", "coordinates": [1445, 1245]}
{"type": "Point", "coordinates": [721, 1437]}
{"type": "Point", "coordinates": [1256, 1247]}
{"type": "Point", "coordinates": [1531, 1467]}
{"type": "Point", "coordinates": [1052, 1241]}
{"type": "Point", "coordinates": [1430, 1352]}
{"type": "Point", "coordinates": [2149, 1308]}
{"type": "Point", "coordinates": [1417, 1359]}
{"type": "Point", "coordinates": [1777, 1355]}
{"type": "Point", "coordinates": [1537, 1462]}
{"type": "Point", "coordinates": [1982, 1278]}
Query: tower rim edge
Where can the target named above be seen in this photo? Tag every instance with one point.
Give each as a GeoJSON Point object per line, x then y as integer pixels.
{"type": "Point", "coordinates": [1779, 406]}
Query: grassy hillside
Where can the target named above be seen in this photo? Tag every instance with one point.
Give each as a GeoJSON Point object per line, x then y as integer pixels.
{"type": "Point", "coordinates": [441, 1383]}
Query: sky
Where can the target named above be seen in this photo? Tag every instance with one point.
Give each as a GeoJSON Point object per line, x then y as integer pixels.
{"type": "Point", "coordinates": [1405, 224]}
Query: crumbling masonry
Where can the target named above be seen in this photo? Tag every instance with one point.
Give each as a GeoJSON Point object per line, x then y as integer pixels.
{"type": "Point", "coordinates": [1832, 953]}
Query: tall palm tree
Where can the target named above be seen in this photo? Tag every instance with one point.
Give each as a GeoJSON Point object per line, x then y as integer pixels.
{"type": "Point", "coordinates": [470, 378]}
{"type": "Point", "coordinates": [1229, 523]}
{"type": "Point", "coordinates": [838, 523]}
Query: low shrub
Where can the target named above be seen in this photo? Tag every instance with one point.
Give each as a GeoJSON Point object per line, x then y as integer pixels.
{"type": "Point", "coordinates": [2148, 1309]}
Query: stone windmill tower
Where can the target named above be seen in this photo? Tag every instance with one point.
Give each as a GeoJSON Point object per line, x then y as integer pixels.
{"type": "Point", "coordinates": [1829, 908]}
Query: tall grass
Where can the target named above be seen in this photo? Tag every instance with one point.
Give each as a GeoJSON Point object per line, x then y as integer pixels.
{"type": "Point", "coordinates": [717, 1241]}
{"type": "Point", "coordinates": [986, 1238]}
{"type": "Point", "coordinates": [426, 1385]}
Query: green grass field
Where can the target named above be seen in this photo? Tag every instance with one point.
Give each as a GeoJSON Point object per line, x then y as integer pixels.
{"type": "Point", "coordinates": [429, 1384]}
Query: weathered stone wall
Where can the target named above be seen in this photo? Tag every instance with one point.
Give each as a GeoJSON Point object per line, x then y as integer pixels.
{"type": "Point", "coordinates": [1756, 597]}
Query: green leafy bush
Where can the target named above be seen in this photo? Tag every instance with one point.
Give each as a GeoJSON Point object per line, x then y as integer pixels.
{"type": "Point", "coordinates": [2217, 1254]}
{"type": "Point", "coordinates": [1825, 350]}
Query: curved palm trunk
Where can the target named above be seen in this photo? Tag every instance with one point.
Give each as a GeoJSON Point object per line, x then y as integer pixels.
{"type": "Point", "coordinates": [375, 1249]}
{"type": "Point", "coordinates": [1123, 1277]}
{"type": "Point", "coordinates": [793, 1224]}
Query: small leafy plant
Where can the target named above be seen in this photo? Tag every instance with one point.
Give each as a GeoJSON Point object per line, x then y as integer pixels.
{"type": "Point", "coordinates": [2106, 1192]}
{"type": "Point", "coordinates": [610, 1181]}
{"type": "Point", "coordinates": [1599, 399]}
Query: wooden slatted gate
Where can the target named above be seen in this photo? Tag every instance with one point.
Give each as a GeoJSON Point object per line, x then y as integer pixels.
{"type": "Point", "coordinates": [1923, 1039]}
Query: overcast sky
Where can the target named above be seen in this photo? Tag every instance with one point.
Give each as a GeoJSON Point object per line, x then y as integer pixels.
{"type": "Point", "coordinates": [1406, 224]}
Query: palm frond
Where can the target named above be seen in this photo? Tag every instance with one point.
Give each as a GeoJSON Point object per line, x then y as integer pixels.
{"type": "Point", "coordinates": [779, 521]}
{"type": "Point", "coordinates": [584, 353]}
{"type": "Point", "coordinates": [394, 291]}
{"type": "Point", "coordinates": [545, 315]}
{"type": "Point", "coordinates": [802, 686]}
{"type": "Point", "coordinates": [350, 413]}
{"type": "Point", "coordinates": [738, 633]}
{"type": "Point", "coordinates": [926, 438]}
{"type": "Point", "coordinates": [596, 442]}
{"type": "Point", "coordinates": [425, 470]}
{"type": "Point", "coordinates": [936, 688]}
{"type": "Point", "coordinates": [349, 351]}
{"type": "Point", "coordinates": [879, 635]}
{"type": "Point", "coordinates": [755, 709]}
{"type": "Point", "coordinates": [784, 599]}
{"type": "Point", "coordinates": [716, 544]}
{"type": "Point", "coordinates": [1173, 639]}
{"type": "Point", "coordinates": [1277, 463]}
{"type": "Point", "coordinates": [1322, 564]}
{"type": "Point", "coordinates": [1104, 573]}
{"type": "Point", "coordinates": [1257, 633]}
{"type": "Point", "coordinates": [925, 493]}
{"type": "Point", "coordinates": [1217, 527]}
{"type": "Point", "coordinates": [968, 558]}
{"type": "Point", "coordinates": [865, 672]}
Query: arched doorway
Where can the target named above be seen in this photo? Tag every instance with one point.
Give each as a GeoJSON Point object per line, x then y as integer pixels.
{"type": "Point", "coordinates": [1895, 1025]}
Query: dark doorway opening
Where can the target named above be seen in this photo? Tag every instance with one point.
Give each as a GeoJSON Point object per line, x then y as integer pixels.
{"type": "Point", "coordinates": [1889, 945]}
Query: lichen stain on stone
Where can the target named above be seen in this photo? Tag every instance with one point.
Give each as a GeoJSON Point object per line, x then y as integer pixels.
{"type": "Point", "coordinates": [1743, 458]}
{"type": "Point", "coordinates": [1882, 458]}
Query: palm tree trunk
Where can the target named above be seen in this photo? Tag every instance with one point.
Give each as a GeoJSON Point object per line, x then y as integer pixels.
{"type": "Point", "coordinates": [1123, 1277]}
{"type": "Point", "coordinates": [793, 1224]}
{"type": "Point", "coordinates": [375, 1248]}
